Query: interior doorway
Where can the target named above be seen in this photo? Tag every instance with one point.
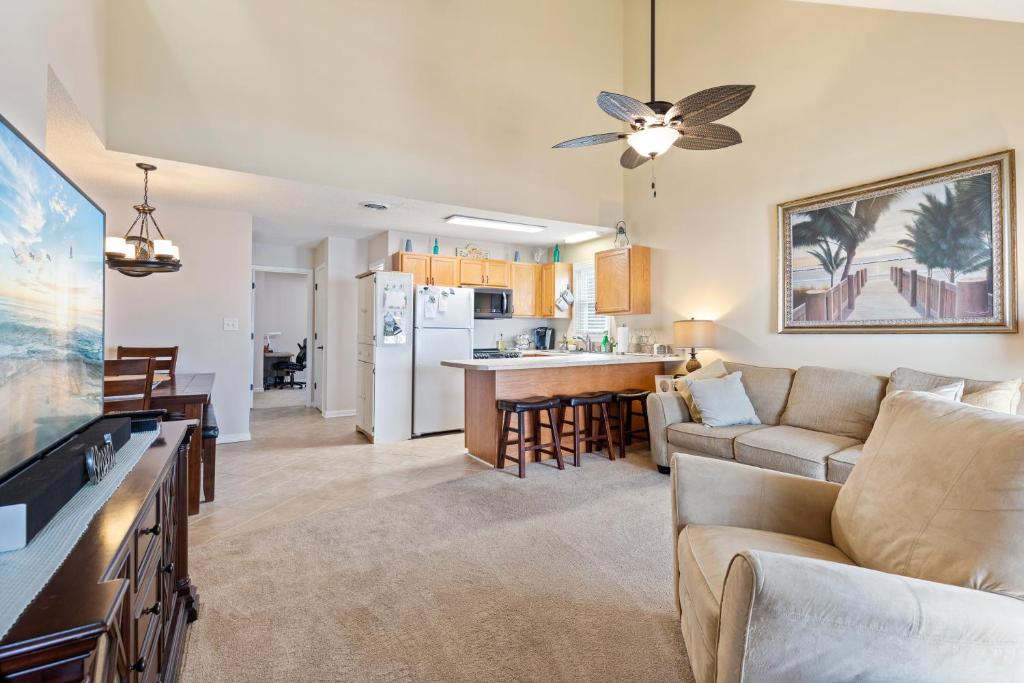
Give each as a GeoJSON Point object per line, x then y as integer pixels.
{"type": "Point", "coordinates": [282, 363]}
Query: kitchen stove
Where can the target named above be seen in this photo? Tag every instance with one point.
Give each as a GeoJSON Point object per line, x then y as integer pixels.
{"type": "Point", "coordinates": [487, 354]}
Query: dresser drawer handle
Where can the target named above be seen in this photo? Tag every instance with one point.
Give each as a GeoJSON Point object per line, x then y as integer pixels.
{"type": "Point", "coordinates": [155, 609]}
{"type": "Point", "coordinates": [155, 530]}
{"type": "Point", "coordinates": [139, 665]}
{"type": "Point", "coordinates": [167, 568]}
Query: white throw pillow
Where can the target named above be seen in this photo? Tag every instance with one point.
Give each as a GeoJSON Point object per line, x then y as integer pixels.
{"type": "Point", "coordinates": [722, 402]}
{"type": "Point", "coordinates": [951, 391]}
{"type": "Point", "coordinates": [710, 371]}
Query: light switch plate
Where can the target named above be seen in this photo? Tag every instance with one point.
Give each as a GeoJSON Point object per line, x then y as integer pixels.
{"type": "Point", "coordinates": [230, 324]}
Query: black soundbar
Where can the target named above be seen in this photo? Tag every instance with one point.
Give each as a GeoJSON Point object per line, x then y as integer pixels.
{"type": "Point", "coordinates": [31, 498]}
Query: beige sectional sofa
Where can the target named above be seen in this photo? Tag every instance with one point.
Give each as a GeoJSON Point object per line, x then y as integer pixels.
{"type": "Point", "coordinates": [814, 420]}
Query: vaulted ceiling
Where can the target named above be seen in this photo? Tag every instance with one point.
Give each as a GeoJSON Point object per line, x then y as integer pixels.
{"type": "Point", "coordinates": [998, 10]}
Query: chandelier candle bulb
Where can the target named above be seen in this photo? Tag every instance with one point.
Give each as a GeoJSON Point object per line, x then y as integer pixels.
{"type": "Point", "coordinates": [163, 249]}
{"type": "Point", "coordinates": [114, 245]}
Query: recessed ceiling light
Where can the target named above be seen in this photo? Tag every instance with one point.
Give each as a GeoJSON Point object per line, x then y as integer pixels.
{"type": "Point", "coordinates": [581, 237]}
{"type": "Point", "coordinates": [474, 222]}
{"type": "Point", "coordinates": [375, 206]}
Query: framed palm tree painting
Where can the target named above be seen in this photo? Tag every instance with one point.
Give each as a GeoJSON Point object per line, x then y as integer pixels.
{"type": "Point", "coordinates": [931, 251]}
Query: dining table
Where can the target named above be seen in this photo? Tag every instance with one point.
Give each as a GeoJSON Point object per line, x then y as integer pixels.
{"type": "Point", "coordinates": [188, 393]}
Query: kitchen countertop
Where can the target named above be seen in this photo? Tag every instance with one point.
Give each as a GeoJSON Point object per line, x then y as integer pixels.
{"type": "Point", "coordinates": [540, 360]}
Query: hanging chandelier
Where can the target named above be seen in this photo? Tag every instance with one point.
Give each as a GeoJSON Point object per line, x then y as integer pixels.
{"type": "Point", "coordinates": [137, 254]}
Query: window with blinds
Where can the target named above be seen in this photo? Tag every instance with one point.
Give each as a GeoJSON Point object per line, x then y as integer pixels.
{"type": "Point", "coordinates": [585, 319]}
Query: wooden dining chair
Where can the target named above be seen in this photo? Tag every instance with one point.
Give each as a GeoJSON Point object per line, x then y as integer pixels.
{"type": "Point", "coordinates": [127, 384]}
{"type": "Point", "coordinates": [166, 357]}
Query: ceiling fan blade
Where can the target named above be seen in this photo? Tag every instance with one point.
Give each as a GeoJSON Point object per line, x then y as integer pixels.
{"type": "Point", "coordinates": [588, 140]}
{"type": "Point", "coordinates": [709, 105]}
{"type": "Point", "coordinates": [710, 136]}
{"type": "Point", "coordinates": [631, 158]}
{"type": "Point", "coordinates": [624, 108]}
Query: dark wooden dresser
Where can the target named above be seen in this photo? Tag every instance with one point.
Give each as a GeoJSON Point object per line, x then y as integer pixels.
{"type": "Point", "coordinates": [119, 606]}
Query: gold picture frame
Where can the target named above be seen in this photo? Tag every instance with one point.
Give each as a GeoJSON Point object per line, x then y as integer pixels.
{"type": "Point", "coordinates": [926, 252]}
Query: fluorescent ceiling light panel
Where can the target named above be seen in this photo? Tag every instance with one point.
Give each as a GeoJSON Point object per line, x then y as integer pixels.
{"type": "Point", "coordinates": [582, 236]}
{"type": "Point", "coordinates": [492, 224]}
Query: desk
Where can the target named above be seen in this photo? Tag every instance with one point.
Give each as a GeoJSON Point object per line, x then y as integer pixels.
{"type": "Point", "coordinates": [188, 393]}
{"type": "Point", "coordinates": [269, 358]}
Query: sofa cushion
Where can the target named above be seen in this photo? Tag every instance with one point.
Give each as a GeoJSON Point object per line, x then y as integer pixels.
{"type": "Point", "coordinates": [1003, 397]}
{"type": "Point", "coordinates": [938, 495]}
{"type": "Point", "coordinates": [915, 380]}
{"type": "Point", "coordinates": [834, 401]}
{"type": "Point", "coordinates": [790, 449]}
{"type": "Point", "coordinates": [699, 439]}
{"type": "Point", "coordinates": [841, 464]}
{"type": "Point", "coordinates": [704, 554]}
{"type": "Point", "coordinates": [711, 371]}
{"type": "Point", "coordinates": [767, 388]}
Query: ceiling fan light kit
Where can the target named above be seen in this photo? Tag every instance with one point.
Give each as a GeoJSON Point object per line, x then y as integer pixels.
{"type": "Point", "coordinates": [657, 126]}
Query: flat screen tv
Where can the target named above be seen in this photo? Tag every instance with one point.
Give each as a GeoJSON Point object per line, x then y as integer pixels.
{"type": "Point", "coordinates": [51, 304]}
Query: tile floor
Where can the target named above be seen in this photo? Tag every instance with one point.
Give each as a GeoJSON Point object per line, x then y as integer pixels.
{"type": "Point", "coordinates": [298, 464]}
{"type": "Point", "coordinates": [278, 398]}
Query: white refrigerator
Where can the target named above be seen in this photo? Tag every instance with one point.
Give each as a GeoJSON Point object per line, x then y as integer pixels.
{"type": "Point", "coordinates": [443, 331]}
{"type": "Point", "coordinates": [384, 356]}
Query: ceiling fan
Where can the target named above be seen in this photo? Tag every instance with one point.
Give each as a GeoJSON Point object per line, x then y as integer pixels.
{"type": "Point", "coordinates": [657, 125]}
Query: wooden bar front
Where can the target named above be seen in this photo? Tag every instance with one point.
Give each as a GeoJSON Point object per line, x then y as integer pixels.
{"type": "Point", "coordinates": [485, 387]}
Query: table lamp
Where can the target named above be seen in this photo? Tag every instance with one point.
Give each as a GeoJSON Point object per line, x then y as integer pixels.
{"type": "Point", "coordinates": [695, 334]}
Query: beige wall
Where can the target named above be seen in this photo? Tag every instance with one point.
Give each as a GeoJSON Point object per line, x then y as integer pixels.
{"type": "Point", "coordinates": [345, 258]}
{"type": "Point", "coordinates": [67, 37]}
{"type": "Point", "coordinates": [453, 101]}
{"type": "Point", "coordinates": [844, 96]}
{"type": "Point", "coordinates": [281, 256]}
{"type": "Point", "coordinates": [187, 308]}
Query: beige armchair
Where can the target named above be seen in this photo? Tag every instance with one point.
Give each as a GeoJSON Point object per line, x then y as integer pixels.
{"type": "Point", "coordinates": [914, 570]}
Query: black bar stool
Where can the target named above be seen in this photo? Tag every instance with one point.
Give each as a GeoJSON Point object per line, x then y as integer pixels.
{"type": "Point", "coordinates": [533, 406]}
{"type": "Point", "coordinates": [581, 407]}
{"type": "Point", "coordinates": [623, 416]}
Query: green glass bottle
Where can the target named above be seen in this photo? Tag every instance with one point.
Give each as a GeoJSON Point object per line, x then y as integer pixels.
{"type": "Point", "coordinates": [555, 256]}
{"type": "Point", "coordinates": [605, 343]}
{"type": "Point", "coordinates": [436, 248]}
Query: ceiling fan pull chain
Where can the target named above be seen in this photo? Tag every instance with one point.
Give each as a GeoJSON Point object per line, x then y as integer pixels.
{"type": "Point", "coordinates": [654, 182]}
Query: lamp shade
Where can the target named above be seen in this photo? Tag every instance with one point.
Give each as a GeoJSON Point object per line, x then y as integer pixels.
{"type": "Point", "coordinates": [695, 334]}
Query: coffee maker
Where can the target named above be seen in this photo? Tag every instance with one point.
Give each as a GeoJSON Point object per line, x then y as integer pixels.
{"type": "Point", "coordinates": [544, 338]}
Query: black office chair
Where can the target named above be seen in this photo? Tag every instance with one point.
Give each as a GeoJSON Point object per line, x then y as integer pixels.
{"type": "Point", "coordinates": [289, 368]}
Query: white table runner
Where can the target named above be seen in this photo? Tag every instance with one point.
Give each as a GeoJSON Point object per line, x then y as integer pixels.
{"type": "Point", "coordinates": [24, 572]}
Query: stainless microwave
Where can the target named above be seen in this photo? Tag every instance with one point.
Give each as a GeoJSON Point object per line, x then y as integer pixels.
{"type": "Point", "coordinates": [492, 302]}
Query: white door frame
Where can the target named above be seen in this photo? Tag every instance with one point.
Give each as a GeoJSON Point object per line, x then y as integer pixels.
{"type": "Point", "coordinates": [320, 335]}
{"type": "Point", "coordinates": [308, 272]}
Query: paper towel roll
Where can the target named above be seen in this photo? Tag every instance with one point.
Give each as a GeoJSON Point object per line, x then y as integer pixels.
{"type": "Point", "coordinates": [622, 339]}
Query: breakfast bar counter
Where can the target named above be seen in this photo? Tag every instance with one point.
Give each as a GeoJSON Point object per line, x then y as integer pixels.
{"type": "Point", "coordinates": [546, 374]}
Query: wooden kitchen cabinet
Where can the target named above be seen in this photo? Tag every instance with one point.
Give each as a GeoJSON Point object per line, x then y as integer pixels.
{"type": "Point", "coordinates": [554, 279]}
{"type": "Point", "coordinates": [428, 269]}
{"type": "Point", "coordinates": [623, 281]}
{"type": "Point", "coordinates": [444, 271]}
{"type": "Point", "coordinates": [525, 289]}
{"type": "Point", "coordinates": [485, 273]}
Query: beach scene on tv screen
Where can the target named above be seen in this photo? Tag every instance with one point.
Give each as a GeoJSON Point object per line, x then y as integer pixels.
{"type": "Point", "coordinates": [51, 304]}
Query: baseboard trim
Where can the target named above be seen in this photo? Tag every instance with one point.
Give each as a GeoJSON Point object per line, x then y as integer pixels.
{"type": "Point", "coordinates": [234, 438]}
{"type": "Point", "coordinates": [339, 413]}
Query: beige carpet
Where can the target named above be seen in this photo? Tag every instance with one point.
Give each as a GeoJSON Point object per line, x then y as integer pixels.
{"type": "Point", "coordinates": [564, 576]}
